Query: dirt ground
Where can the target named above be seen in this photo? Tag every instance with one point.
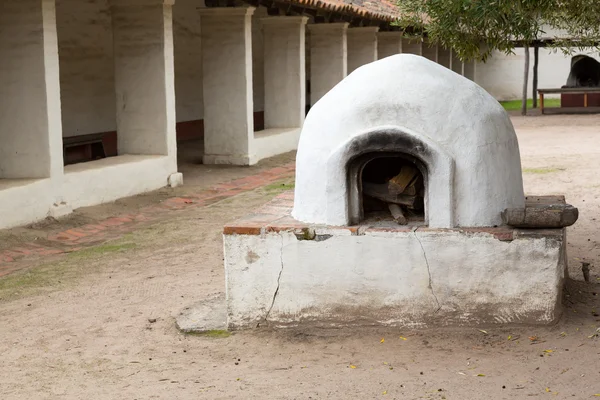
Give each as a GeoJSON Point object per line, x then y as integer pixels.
{"type": "Point", "coordinates": [99, 323]}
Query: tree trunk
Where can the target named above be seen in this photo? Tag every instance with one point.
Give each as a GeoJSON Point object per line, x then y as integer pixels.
{"type": "Point", "coordinates": [536, 63]}
{"type": "Point", "coordinates": [525, 81]}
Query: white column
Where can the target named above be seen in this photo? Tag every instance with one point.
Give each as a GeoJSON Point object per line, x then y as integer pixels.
{"type": "Point", "coordinates": [328, 57]}
{"type": "Point", "coordinates": [456, 65]}
{"type": "Point", "coordinates": [412, 46]}
{"type": "Point", "coordinates": [30, 115]}
{"type": "Point", "coordinates": [285, 71]}
{"type": "Point", "coordinates": [144, 77]}
{"type": "Point", "coordinates": [258, 67]}
{"type": "Point", "coordinates": [430, 52]}
{"type": "Point", "coordinates": [469, 70]}
{"type": "Point", "coordinates": [362, 46]}
{"type": "Point", "coordinates": [388, 44]}
{"type": "Point", "coordinates": [444, 57]}
{"type": "Point", "coordinates": [227, 68]}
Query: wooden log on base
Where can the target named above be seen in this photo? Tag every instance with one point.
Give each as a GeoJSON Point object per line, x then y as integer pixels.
{"type": "Point", "coordinates": [541, 216]}
{"type": "Point", "coordinates": [398, 214]}
{"type": "Point", "coordinates": [405, 182]}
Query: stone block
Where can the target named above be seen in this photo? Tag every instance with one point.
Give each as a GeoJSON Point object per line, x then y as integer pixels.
{"type": "Point", "coordinates": [285, 273]}
{"type": "Point", "coordinates": [398, 278]}
{"type": "Point", "coordinates": [175, 180]}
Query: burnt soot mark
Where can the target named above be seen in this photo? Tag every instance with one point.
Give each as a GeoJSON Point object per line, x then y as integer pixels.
{"type": "Point", "coordinates": [387, 172]}
{"type": "Point", "coordinates": [389, 141]}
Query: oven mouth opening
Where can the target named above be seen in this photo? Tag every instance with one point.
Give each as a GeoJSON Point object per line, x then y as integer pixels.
{"type": "Point", "coordinates": [388, 189]}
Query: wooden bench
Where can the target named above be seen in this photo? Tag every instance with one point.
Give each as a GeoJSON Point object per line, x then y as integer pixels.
{"type": "Point", "coordinates": [92, 145]}
{"type": "Point", "coordinates": [585, 92]}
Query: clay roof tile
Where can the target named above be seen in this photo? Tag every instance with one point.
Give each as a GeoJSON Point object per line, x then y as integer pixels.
{"type": "Point", "coordinates": [377, 9]}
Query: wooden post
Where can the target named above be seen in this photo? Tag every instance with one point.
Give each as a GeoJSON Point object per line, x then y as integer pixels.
{"type": "Point", "coordinates": [525, 80]}
{"type": "Point", "coordinates": [542, 102]}
{"type": "Point", "coordinates": [585, 100]}
{"type": "Point", "coordinates": [536, 62]}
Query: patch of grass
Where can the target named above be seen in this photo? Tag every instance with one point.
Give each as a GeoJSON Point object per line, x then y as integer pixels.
{"type": "Point", "coordinates": [279, 187]}
{"type": "Point", "coordinates": [57, 274]}
{"type": "Point", "coordinates": [215, 334]}
{"type": "Point", "coordinates": [98, 251]}
{"type": "Point", "coordinates": [515, 105]}
{"type": "Point", "coordinates": [541, 170]}
{"type": "Point", "coordinates": [38, 277]}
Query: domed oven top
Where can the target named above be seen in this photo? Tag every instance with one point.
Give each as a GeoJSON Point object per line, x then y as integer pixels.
{"type": "Point", "coordinates": [447, 147]}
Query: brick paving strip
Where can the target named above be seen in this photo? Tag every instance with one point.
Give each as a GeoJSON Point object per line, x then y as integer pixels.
{"type": "Point", "coordinates": [68, 241]}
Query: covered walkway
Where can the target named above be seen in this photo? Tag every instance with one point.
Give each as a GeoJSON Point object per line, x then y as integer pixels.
{"type": "Point", "coordinates": [96, 96]}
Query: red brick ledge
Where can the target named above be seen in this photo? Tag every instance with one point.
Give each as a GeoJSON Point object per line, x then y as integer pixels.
{"type": "Point", "coordinates": [275, 216]}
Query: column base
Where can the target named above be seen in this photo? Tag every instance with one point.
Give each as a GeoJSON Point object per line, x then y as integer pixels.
{"type": "Point", "coordinates": [59, 210]}
{"type": "Point", "coordinates": [272, 142]}
{"type": "Point", "coordinates": [219, 159]}
{"type": "Point", "coordinates": [175, 180]}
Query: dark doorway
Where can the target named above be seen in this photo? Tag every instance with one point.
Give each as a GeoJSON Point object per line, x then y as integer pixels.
{"type": "Point", "coordinates": [389, 187]}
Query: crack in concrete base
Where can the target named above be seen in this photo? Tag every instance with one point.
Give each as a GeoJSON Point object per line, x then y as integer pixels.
{"type": "Point", "coordinates": [430, 286]}
{"type": "Point", "coordinates": [278, 283]}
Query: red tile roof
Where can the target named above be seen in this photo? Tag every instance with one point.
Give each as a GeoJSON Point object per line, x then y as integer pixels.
{"type": "Point", "coordinates": [385, 10]}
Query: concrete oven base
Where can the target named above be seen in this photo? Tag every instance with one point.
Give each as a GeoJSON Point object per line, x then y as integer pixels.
{"type": "Point", "coordinates": [285, 273]}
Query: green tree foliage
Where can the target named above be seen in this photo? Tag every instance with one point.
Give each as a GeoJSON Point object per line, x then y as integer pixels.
{"type": "Point", "coordinates": [475, 28]}
{"type": "Point", "coordinates": [580, 20]}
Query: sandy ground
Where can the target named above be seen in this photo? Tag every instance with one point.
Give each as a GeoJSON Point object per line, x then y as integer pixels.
{"type": "Point", "coordinates": [99, 323]}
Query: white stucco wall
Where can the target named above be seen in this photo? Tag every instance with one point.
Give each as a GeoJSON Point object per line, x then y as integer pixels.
{"type": "Point", "coordinates": [416, 279]}
{"type": "Point", "coordinates": [430, 52]}
{"type": "Point", "coordinates": [412, 46]}
{"type": "Point", "coordinates": [444, 57]}
{"type": "Point", "coordinates": [362, 46]}
{"type": "Point", "coordinates": [258, 66]}
{"type": "Point", "coordinates": [188, 60]}
{"type": "Point", "coordinates": [448, 113]}
{"type": "Point", "coordinates": [109, 179]}
{"type": "Point", "coordinates": [29, 91]}
{"type": "Point", "coordinates": [502, 75]}
{"type": "Point", "coordinates": [30, 118]}
{"type": "Point", "coordinates": [284, 65]}
{"type": "Point", "coordinates": [227, 67]}
{"type": "Point", "coordinates": [328, 57]}
{"type": "Point", "coordinates": [388, 44]}
{"type": "Point", "coordinates": [87, 65]}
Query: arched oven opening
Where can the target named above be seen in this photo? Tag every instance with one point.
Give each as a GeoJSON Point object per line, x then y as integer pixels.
{"type": "Point", "coordinates": [387, 188]}
{"type": "Point", "coordinates": [585, 72]}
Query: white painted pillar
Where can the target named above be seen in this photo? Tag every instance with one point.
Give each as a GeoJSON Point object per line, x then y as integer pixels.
{"type": "Point", "coordinates": [285, 71]}
{"type": "Point", "coordinates": [362, 46]}
{"type": "Point", "coordinates": [444, 57]}
{"type": "Point", "coordinates": [30, 114]}
{"type": "Point", "coordinates": [389, 44]}
{"type": "Point", "coordinates": [456, 65]}
{"type": "Point", "coordinates": [469, 70]}
{"type": "Point", "coordinates": [328, 57]}
{"type": "Point", "coordinates": [227, 68]}
{"type": "Point", "coordinates": [430, 52]}
{"type": "Point", "coordinates": [412, 46]}
{"type": "Point", "coordinates": [258, 66]}
{"type": "Point", "coordinates": [144, 77]}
